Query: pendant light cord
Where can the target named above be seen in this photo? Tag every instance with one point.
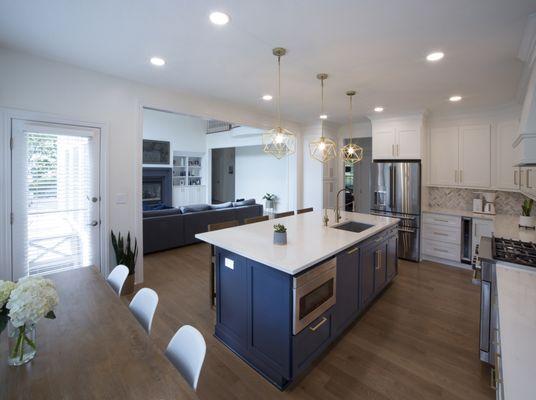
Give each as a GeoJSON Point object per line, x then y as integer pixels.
{"type": "Point", "coordinates": [279, 92]}
{"type": "Point", "coordinates": [322, 108]}
{"type": "Point", "coordinates": [350, 119]}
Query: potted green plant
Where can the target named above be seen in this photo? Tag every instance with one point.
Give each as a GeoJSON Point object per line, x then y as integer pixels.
{"type": "Point", "coordinates": [280, 234]}
{"type": "Point", "coordinates": [270, 199]}
{"type": "Point", "coordinates": [525, 219]}
{"type": "Point", "coordinates": [126, 254]}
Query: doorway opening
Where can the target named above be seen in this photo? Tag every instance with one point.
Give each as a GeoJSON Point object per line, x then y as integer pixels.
{"type": "Point", "coordinates": [357, 178]}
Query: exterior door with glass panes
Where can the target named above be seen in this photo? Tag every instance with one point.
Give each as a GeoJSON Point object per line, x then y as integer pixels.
{"type": "Point", "coordinates": [55, 197]}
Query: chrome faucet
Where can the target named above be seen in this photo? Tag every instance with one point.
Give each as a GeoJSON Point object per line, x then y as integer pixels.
{"type": "Point", "coordinates": [337, 208]}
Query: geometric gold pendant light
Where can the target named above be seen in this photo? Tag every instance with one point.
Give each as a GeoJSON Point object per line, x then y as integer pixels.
{"type": "Point", "coordinates": [279, 141]}
{"type": "Point", "coordinates": [351, 153]}
{"type": "Point", "coordinates": [322, 149]}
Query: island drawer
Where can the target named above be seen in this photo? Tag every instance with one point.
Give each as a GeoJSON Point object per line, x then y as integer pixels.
{"type": "Point", "coordinates": [311, 341]}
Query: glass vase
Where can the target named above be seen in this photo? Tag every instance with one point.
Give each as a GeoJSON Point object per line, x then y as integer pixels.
{"type": "Point", "coordinates": [22, 345]}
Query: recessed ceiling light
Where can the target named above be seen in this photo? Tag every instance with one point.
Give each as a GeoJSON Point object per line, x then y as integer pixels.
{"type": "Point", "coordinates": [219, 18]}
{"type": "Point", "coordinates": [267, 97]}
{"type": "Point", "coordinates": [455, 98]}
{"type": "Point", "coordinates": [158, 61]}
{"type": "Point", "coordinates": [378, 109]}
{"type": "Point", "coordinates": [435, 56]}
{"type": "Point", "coordinates": [323, 116]}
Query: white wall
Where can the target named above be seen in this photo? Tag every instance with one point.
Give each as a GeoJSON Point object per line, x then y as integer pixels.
{"type": "Point", "coordinates": [258, 173]}
{"type": "Point", "coordinates": [33, 83]}
{"type": "Point", "coordinates": [187, 134]}
{"type": "Point", "coordinates": [290, 185]}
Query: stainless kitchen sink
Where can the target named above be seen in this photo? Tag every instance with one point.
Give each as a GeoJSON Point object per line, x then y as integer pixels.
{"type": "Point", "coordinates": [353, 226]}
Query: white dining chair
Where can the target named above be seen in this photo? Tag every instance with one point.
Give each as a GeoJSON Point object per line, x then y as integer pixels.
{"type": "Point", "coordinates": [117, 278]}
{"type": "Point", "coordinates": [186, 351]}
{"type": "Point", "coordinates": [143, 306]}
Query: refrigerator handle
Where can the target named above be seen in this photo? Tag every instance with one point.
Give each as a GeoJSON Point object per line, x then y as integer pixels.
{"type": "Point", "coordinates": [393, 187]}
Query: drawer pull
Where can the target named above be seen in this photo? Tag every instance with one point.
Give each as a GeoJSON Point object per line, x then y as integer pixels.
{"type": "Point", "coordinates": [441, 250]}
{"type": "Point", "coordinates": [441, 220]}
{"type": "Point", "coordinates": [352, 251]}
{"type": "Point", "coordinates": [440, 234]}
{"type": "Point", "coordinates": [322, 322]}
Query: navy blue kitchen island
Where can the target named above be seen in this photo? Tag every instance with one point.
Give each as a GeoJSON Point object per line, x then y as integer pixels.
{"type": "Point", "coordinates": [281, 316]}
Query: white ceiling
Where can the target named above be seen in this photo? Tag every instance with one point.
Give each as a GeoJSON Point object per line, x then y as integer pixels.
{"type": "Point", "coordinates": [375, 47]}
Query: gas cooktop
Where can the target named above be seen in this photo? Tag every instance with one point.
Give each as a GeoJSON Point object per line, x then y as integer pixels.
{"type": "Point", "coordinates": [514, 251]}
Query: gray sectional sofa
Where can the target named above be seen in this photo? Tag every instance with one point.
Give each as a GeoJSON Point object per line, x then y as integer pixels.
{"type": "Point", "coordinates": [174, 227]}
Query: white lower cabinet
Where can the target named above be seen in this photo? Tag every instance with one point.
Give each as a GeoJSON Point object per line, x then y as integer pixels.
{"type": "Point", "coordinates": [441, 236]}
{"type": "Point", "coordinates": [481, 227]}
{"type": "Point", "coordinates": [187, 195]}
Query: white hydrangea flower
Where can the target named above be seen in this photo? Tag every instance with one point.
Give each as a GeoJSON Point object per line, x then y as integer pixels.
{"type": "Point", "coordinates": [5, 290]}
{"type": "Point", "coordinates": [32, 298]}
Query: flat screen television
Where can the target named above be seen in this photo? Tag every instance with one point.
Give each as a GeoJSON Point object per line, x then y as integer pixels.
{"type": "Point", "coordinates": [155, 152]}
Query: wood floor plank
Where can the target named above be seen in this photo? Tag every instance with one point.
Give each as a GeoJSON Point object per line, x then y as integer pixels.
{"type": "Point", "coordinates": [418, 341]}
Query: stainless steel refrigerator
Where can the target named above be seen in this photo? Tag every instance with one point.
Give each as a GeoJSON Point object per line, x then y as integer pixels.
{"type": "Point", "coordinates": [396, 192]}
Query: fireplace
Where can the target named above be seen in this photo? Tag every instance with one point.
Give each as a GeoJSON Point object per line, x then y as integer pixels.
{"type": "Point", "coordinates": [156, 186]}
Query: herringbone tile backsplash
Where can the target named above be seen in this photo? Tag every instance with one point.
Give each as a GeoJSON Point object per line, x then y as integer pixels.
{"type": "Point", "coordinates": [508, 203]}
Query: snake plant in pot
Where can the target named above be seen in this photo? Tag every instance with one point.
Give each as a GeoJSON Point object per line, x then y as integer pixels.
{"type": "Point", "coordinates": [126, 254]}
{"type": "Point", "coordinates": [525, 219]}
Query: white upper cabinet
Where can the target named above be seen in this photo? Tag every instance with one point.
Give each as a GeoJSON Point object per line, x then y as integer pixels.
{"type": "Point", "coordinates": [409, 144]}
{"type": "Point", "coordinates": [475, 156]}
{"type": "Point", "coordinates": [444, 156]}
{"type": "Point", "coordinates": [383, 144]}
{"type": "Point", "coordinates": [461, 156]}
{"type": "Point", "coordinates": [507, 174]}
{"type": "Point", "coordinates": [397, 139]}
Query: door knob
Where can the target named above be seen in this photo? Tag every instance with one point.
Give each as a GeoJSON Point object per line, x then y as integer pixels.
{"type": "Point", "coordinates": [92, 199]}
{"type": "Point", "coordinates": [93, 223]}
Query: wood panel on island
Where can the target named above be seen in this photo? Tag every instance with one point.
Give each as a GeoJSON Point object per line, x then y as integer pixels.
{"type": "Point", "coordinates": [280, 322]}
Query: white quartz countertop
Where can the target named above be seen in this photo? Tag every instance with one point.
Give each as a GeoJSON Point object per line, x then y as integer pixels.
{"type": "Point", "coordinates": [504, 226]}
{"type": "Point", "coordinates": [517, 321]}
{"type": "Point", "coordinates": [308, 240]}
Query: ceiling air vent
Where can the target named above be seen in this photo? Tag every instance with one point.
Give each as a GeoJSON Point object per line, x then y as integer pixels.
{"type": "Point", "coordinates": [213, 126]}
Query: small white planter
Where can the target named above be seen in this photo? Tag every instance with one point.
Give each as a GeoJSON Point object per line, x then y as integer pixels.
{"type": "Point", "coordinates": [280, 238]}
{"type": "Point", "coordinates": [527, 222]}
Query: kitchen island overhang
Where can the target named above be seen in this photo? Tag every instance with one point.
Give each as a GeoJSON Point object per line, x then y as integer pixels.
{"type": "Point", "coordinates": [279, 307]}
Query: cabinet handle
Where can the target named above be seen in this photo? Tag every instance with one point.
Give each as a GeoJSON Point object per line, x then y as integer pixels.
{"type": "Point", "coordinates": [440, 220]}
{"type": "Point", "coordinates": [440, 234]}
{"type": "Point", "coordinates": [527, 176]}
{"type": "Point", "coordinates": [393, 150]}
{"type": "Point", "coordinates": [378, 259]}
{"type": "Point", "coordinates": [352, 251]}
{"type": "Point", "coordinates": [461, 175]}
{"type": "Point", "coordinates": [521, 178]}
{"type": "Point", "coordinates": [455, 176]}
{"type": "Point", "coordinates": [322, 322]}
{"type": "Point", "coordinates": [515, 177]}
{"type": "Point", "coordinates": [441, 250]}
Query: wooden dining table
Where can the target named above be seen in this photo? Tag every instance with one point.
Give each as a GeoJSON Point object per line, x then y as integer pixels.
{"type": "Point", "coordinates": [94, 349]}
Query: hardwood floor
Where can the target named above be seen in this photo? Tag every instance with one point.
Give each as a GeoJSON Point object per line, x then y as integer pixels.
{"type": "Point", "coordinates": [418, 341]}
